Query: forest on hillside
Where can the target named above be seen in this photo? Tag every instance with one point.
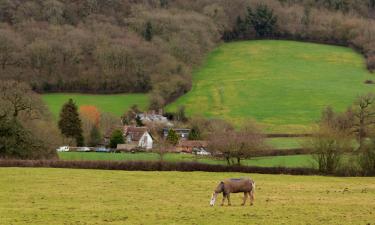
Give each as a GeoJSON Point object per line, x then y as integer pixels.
{"type": "Point", "coordinates": [112, 46]}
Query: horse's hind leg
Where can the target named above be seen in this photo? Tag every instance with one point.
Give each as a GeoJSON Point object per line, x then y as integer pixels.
{"type": "Point", "coordinates": [244, 198]}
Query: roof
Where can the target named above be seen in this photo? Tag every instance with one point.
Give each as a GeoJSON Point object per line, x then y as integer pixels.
{"type": "Point", "coordinates": [192, 144]}
{"type": "Point", "coordinates": [135, 133]}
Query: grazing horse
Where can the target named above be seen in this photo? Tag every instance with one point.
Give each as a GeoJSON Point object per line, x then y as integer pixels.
{"type": "Point", "coordinates": [245, 185]}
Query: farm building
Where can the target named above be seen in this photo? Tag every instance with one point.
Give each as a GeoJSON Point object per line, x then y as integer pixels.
{"type": "Point", "coordinates": [138, 136]}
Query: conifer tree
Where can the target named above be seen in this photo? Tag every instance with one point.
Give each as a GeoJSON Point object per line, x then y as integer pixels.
{"type": "Point", "coordinates": [172, 137]}
{"type": "Point", "coordinates": [95, 136]}
{"type": "Point", "coordinates": [70, 124]}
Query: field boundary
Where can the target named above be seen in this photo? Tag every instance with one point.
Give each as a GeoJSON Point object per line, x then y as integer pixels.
{"type": "Point", "coordinates": [155, 166]}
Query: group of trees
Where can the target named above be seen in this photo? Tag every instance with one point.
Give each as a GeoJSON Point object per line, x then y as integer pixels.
{"type": "Point", "coordinates": [335, 136]}
{"type": "Point", "coordinates": [225, 141]}
{"type": "Point", "coordinates": [26, 128]}
{"type": "Point", "coordinates": [151, 46]}
{"type": "Point", "coordinates": [85, 125]}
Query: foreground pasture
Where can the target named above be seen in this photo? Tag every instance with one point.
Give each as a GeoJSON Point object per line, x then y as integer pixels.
{"type": "Point", "coordinates": [70, 196]}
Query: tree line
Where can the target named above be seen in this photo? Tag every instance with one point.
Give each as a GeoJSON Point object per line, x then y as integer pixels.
{"type": "Point", "coordinates": [151, 46]}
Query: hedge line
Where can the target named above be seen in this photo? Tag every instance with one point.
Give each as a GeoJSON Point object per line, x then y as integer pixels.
{"type": "Point", "coordinates": [155, 166]}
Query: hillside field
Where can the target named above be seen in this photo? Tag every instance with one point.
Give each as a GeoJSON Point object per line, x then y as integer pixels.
{"type": "Point", "coordinates": [71, 196]}
{"type": "Point", "coordinates": [116, 104]}
{"type": "Point", "coordinates": [284, 85]}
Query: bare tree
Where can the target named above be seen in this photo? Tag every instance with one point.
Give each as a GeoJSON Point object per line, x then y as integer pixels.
{"type": "Point", "coordinates": [224, 140]}
{"type": "Point", "coordinates": [363, 112]}
{"type": "Point", "coordinates": [329, 145]}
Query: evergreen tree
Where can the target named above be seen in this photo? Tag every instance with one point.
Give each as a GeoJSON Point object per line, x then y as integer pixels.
{"type": "Point", "coordinates": [95, 136]}
{"type": "Point", "coordinates": [164, 4]}
{"type": "Point", "coordinates": [262, 20]}
{"type": "Point", "coordinates": [116, 138]}
{"type": "Point", "coordinates": [172, 137]}
{"type": "Point", "coordinates": [139, 121]}
{"type": "Point", "coordinates": [194, 134]}
{"type": "Point", "coordinates": [147, 34]}
{"type": "Point", "coordinates": [70, 124]}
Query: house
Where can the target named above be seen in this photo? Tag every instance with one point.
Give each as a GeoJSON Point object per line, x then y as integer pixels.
{"type": "Point", "coordinates": [189, 145]}
{"type": "Point", "coordinates": [138, 136]}
{"type": "Point", "coordinates": [183, 134]}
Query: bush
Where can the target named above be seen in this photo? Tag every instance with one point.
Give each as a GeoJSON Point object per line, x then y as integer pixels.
{"type": "Point", "coordinates": [367, 159]}
{"type": "Point", "coordinates": [116, 138]}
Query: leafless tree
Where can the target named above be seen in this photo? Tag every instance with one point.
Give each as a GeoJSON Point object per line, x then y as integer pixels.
{"type": "Point", "coordinates": [224, 140]}
{"type": "Point", "coordinates": [363, 112]}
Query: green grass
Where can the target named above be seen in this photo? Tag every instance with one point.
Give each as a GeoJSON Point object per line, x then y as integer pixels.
{"type": "Point", "coordinates": [286, 143]}
{"type": "Point", "coordinates": [70, 196]}
{"type": "Point", "coordinates": [284, 85]}
{"type": "Point", "coordinates": [274, 161]}
{"type": "Point", "coordinates": [116, 104]}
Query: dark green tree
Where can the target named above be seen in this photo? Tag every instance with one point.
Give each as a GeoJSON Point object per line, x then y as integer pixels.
{"type": "Point", "coordinates": [70, 124]}
{"type": "Point", "coordinates": [164, 3]}
{"type": "Point", "coordinates": [172, 137]}
{"type": "Point", "coordinates": [147, 33]}
{"type": "Point", "coordinates": [194, 134]}
{"type": "Point", "coordinates": [139, 121]}
{"type": "Point", "coordinates": [116, 138]}
{"type": "Point", "coordinates": [262, 20]}
{"type": "Point", "coordinates": [95, 136]}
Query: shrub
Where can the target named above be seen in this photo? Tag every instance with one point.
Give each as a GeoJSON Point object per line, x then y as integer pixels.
{"type": "Point", "coordinates": [155, 166]}
{"type": "Point", "coordinates": [367, 159]}
{"type": "Point", "coordinates": [116, 138]}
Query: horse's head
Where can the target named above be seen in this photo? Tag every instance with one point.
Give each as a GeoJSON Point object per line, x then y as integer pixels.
{"type": "Point", "coordinates": [219, 189]}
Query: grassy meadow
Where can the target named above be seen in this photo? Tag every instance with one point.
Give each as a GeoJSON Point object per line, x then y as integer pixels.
{"type": "Point", "coordinates": [269, 161]}
{"type": "Point", "coordinates": [116, 104]}
{"type": "Point", "coordinates": [70, 196]}
{"type": "Point", "coordinates": [284, 85]}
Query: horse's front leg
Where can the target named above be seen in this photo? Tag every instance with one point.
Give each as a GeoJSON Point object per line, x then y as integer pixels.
{"type": "Point", "coordinates": [244, 198]}
{"type": "Point", "coordinates": [228, 197]}
{"type": "Point", "coordinates": [224, 197]}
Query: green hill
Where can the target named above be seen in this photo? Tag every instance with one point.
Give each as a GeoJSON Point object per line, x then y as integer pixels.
{"type": "Point", "coordinates": [116, 104]}
{"type": "Point", "coordinates": [284, 85]}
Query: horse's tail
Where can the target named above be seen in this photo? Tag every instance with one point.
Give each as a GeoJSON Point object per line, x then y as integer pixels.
{"type": "Point", "coordinates": [252, 189]}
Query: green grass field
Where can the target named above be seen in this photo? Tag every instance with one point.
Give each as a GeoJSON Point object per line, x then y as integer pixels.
{"type": "Point", "coordinates": [284, 85]}
{"type": "Point", "coordinates": [116, 104]}
{"type": "Point", "coordinates": [71, 196]}
{"type": "Point", "coordinates": [274, 161]}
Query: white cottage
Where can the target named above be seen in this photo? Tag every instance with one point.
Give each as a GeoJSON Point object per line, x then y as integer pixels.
{"type": "Point", "coordinates": [138, 136]}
